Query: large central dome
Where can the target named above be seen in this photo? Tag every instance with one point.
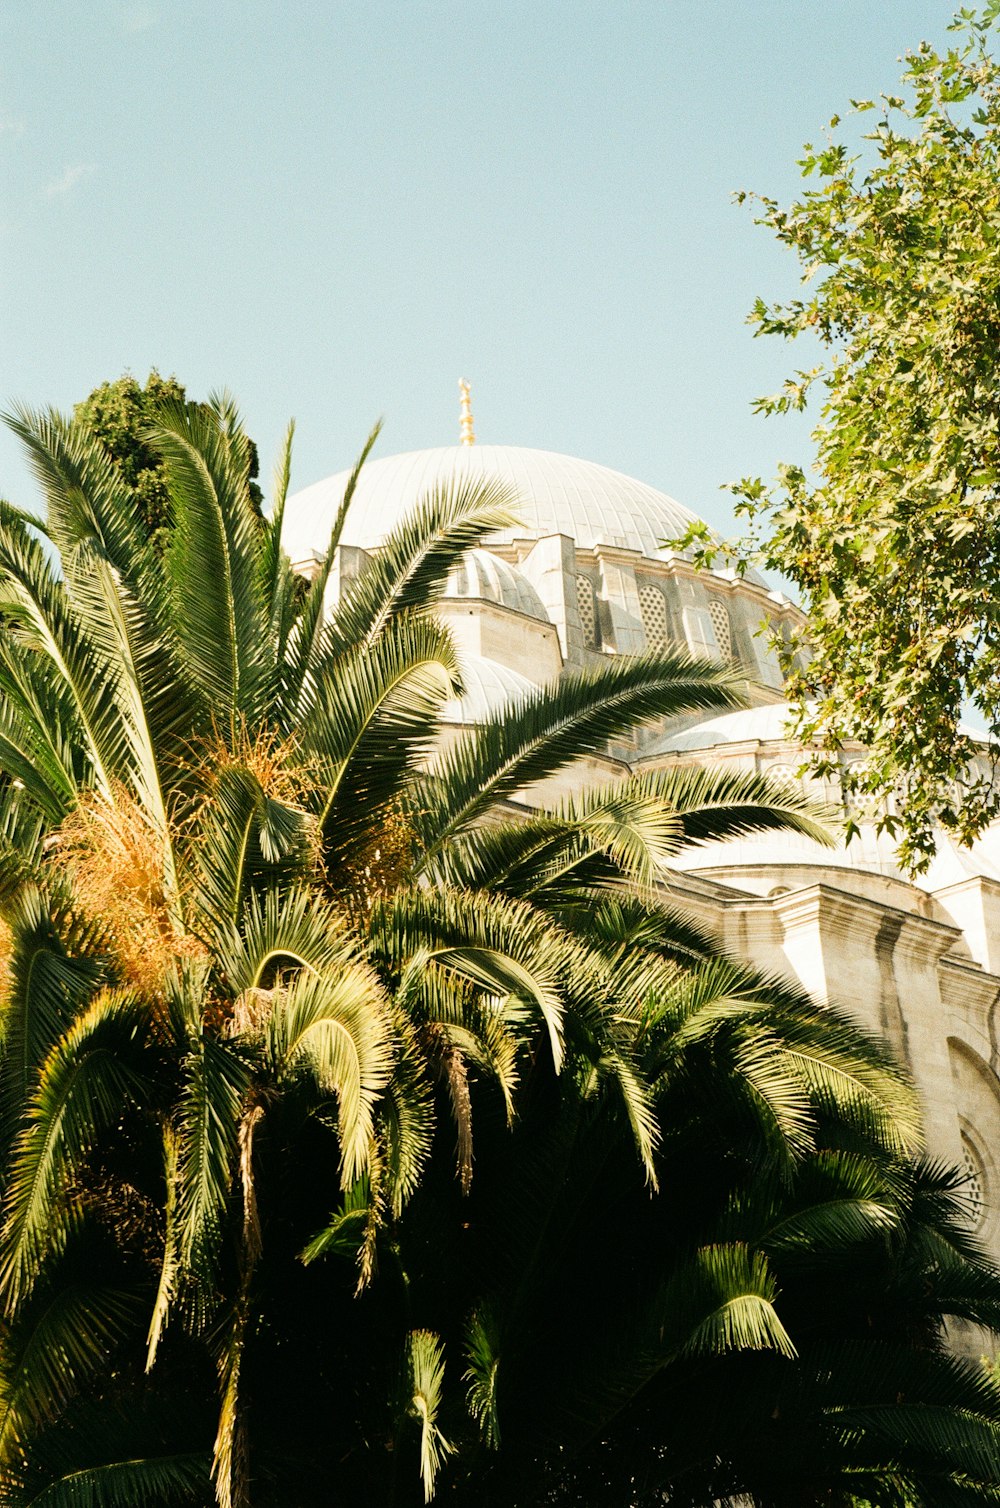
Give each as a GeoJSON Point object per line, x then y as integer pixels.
{"type": "Point", "coordinates": [556, 495]}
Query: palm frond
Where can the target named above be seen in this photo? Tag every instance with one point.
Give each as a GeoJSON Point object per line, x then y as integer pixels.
{"type": "Point", "coordinates": [247, 837]}
{"type": "Point", "coordinates": [37, 609]}
{"type": "Point", "coordinates": [54, 967]}
{"type": "Point", "coordinates": [22, 853]}
{"type": "Point", "coordinates": [723, 1300]}
{"type": "Point", "coordinates": [334, 1031]}
{"type": "Point", "coordinates": [80, 1091]}
{"type": "Point", "coordinates": [714, 805]}
{"type": "Point", "coordinates": [212, 562]}
{"type": "Point", "coordinates": [53, 1351]}
{"type": "Point", "coordinates": [112, 575]}
{"type": "Point", "coordinates": [778, 1089]}
{"type": "Point", "coordinates": [86, 497]}
{"type": "Point", "coordinates": [940, 1413]}
{"type": "Point", "coordinates": [637, 1101]}
{"type": "Point", "coordinates": [153, 1482]}
{"type": "Point", "coordinates": [406, 1118]}
{"type": "Point", "coordinates": [846, 1071]}
{"type": "Point", "coordinates": [629, 928]}
{"type": "Point", "coordinates": [345, 1231]}
{"type": "Point", "coordinates": [271, 563]}
{"type": "Point", "coordinates": [372, 717]}
{"type": "Point", "coordinates": [215, 1087]}
{"type": "Point", "coordinates": [304, 644]}
{"type": "Point", "coordinates": [508, 949]}
{"type": "Point", "coordinates": [551, 728]}
{"type": "Point", "coordinates": [430, 993]}
{"type": "Point", "coordinates": [425, 1380]}
{"type": "Point", "coordinates": [482, 1350]}
{"type": "Point", "coordinates": [280, 931]}
{"type": "Point", "coordinates": [717, 1302]}
{"type": "Point", "coordinates": [170, 1262]}
{"type": "Point", "coordinates": [409, 570]}
{"type": "Point", "coordinates": [41, 741]}
{"type": "Point", "coordinates": [638, 823]}
{"type": "Point", "coordinates": [840, 1200]}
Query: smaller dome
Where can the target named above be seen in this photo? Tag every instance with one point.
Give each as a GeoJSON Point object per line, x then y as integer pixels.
{"type": "Point", "coordinates": [483, 575]}
{"type": "Point", "coordinates": [489, 687]}
{"type": "Point", "coordinates": [764, 725]}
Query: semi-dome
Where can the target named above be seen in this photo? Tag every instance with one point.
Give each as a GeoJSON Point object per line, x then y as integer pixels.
{"type": "Point", "coordinates": [556, 494]}
{"type": "Point", "coordinates": [483, 575]}
{"type": "Point", "coordinates": [488, 687]}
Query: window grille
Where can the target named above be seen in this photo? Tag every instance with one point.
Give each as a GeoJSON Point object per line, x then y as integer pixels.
{"type": "Point", "coordinates": [653, 608]}
{"type": "Point", "coordinates": [722, 626]}
{"type": "Point", "coordinates": [975, 1181]}
{"type": "Point", "coordinates": [587, 608]}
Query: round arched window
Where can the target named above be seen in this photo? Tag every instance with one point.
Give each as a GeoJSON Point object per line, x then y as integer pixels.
{"type": "Point", "coordinates": [975, 1188]}
{"type": "Point", "coordinates": [722, 626]}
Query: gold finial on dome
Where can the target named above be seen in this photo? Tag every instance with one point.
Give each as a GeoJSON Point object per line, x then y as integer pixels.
{"type": "Point", "coordinates": [467, 435]}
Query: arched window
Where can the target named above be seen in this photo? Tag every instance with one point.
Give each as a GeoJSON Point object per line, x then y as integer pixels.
{"type": "Point", "coordinates": [586, 605]}
{"type": "Point", "coordinates": [653, 608]}
{"type": "Point", "coordinates": [722, 626]}
{"type": "Point", "coordinates": [975, 1181]}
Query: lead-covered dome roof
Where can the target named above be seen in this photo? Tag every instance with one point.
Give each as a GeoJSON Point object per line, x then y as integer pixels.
{"type": "Point", "coordinates": [557, 494]}
{"type": "Point", "coordinates": [487, 688]}
{"type": "Point", "coordinates": [481, 574]}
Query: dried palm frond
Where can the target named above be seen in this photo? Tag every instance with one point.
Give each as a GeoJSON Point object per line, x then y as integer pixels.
{"type": "Point", "coordinates": [6, 955]}
{"type": "Point", "coordinates": [275, 762]}
{"type": "Point", "coordinates": [450, 1065]}
{"type": "Point", "coordinates": [117, 862]}
{"type": "Point", "coordinates": [377, 868]}
{"type": "Point", "coordinates": [249, 1011]}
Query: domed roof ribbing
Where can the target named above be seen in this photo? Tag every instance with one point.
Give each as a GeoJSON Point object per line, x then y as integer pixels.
{"type": "Point", "coordinates": [489, 686]}
{"type": "Point", "coordinates": [767, 724]}
{"type": "Point", "coordinates": [483, 575]}
{"type": "Point", "coordinates": [557, 495]}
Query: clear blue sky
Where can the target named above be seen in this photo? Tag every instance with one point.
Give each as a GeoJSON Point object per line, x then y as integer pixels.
{"type": "Point", "coordinates": [338, 209]}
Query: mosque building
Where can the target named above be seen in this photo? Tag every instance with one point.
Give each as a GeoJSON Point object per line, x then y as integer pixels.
{"type": "Point", "coordinates": [586, 574]}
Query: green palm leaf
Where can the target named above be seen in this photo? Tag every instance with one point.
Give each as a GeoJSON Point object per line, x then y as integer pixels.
{"type": "Point", "coordinates": [425, 1380]}
{"type": "Point", "coordinates": [717, 805]}
{"type": "Point", "coordinates": [80, 1091]}
{"type": "Point", "coordinates": [371, 718]}
{"type": "Point", "coordinates": [55, 967]}
{"type": "Point", "coordinates": [333, 1030]}
{"type": "Point", "coordinates": [246, 839]}
{"type": "Point", "coordinates": [35, 604]}
{"type": "Point", "coordinates": [41, 745]}
{"type": "Point", "coordinates": [212, 563]}
{"type": "Point", "coordinates": [283, 931]}
{"type": "Point", "coordinates": [482, 1350]}
{"type": "Point", "coordinates": [155, 1481]}
{"type": "Point", "coordinates": [546, 731]}
{"type": "Point", "coordinates": [56, 1348]}
{"type": "Point", "coordinates": [112, 576]}
{"type": "Point", "coordinates": [215, 1087]}
{"type": "Point", "coordinates": [411, 567]}
{"type": "Point", "coordinates": [277, 581]}
{"type": "Point", "coordinates": [304, 646]}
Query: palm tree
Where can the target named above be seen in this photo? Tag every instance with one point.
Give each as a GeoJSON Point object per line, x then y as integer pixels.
{"type": "Point", "coordinates": [272, 978]}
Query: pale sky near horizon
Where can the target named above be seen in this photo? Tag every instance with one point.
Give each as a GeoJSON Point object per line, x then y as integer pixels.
{"type": "Point", "coordinates": [337, 210]}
